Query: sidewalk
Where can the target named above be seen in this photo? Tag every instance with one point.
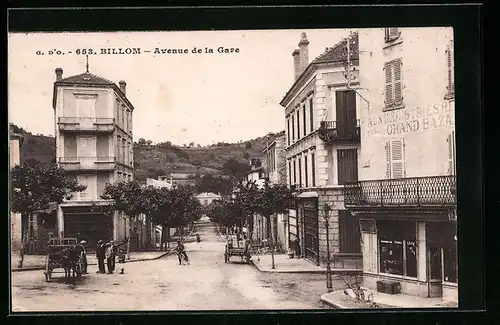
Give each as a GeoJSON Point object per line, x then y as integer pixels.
{"type": "Point", "coordinates": [284, 264]}
{"type": "Point", "coordinates": [339, 300]}
{"type": "Point", "coordinates": [37, 262]}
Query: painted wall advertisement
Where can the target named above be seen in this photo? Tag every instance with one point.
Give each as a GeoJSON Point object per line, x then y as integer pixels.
{"type": "Point", "coordinates": [412, 119]}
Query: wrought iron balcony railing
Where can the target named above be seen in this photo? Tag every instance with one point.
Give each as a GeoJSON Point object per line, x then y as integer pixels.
{"type": "Point", "coordinates": [79, 124]}
{"type": "Point", "coordinates": [87, 163]}
{"type": "Point", "coordinates": [410, 192]}
{"type": "Point", "coordinates": [333, 131]}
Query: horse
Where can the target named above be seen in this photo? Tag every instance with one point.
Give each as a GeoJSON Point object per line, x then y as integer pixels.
{"type": "Point", "coordinates": [70, 257]}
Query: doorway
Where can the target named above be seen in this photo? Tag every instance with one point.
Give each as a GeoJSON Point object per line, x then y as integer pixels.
{"type": "Point", "coordinates": [434, 271]}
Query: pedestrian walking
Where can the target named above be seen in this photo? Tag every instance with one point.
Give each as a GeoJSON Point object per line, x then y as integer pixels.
{"type": "Point", "coordinates": [110, 256]}
{"type": "Point", "coordinates": [100, 254]}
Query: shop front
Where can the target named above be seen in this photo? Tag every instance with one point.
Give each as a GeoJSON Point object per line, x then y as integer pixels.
{"type": "Point", "coordinates": [308, 225]}
{"type": "Point", "coordinates": [418, 256]}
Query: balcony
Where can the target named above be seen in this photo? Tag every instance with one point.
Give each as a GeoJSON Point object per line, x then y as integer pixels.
{"type": "Point", "coordinates": [334, 132]}
{"type": "Point", "coordinates": [87, 163]}
{"type": "Point", "coordinates": [86, 124]}
{"type": "Point", "coordinates": [418, 192]}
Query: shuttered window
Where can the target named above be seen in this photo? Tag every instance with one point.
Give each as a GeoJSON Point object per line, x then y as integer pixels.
{"type": "Point", "coordinates": [450, 66]}
{"type": "Point", "coordinates": [451, 153]}
{"type": "Point", "coordinates": [298, 123]}
{"type": "Point", "coordinates": [306, 180]}
{"type": "Point", "coordinates": [393, 84]}
{"type": "Point", "coordinates": [395, 160]}
{"type": "Point", "coordinates": [305, 121]}
{"type": "Point", "coordinates": [313, 170]}
{"type": "Point", "coordinates": [289, 172]}
{"type": "Point", "coordinates": [293, 127]}
{"type": "Point", "coordinates": [311, 114]}
{"type": "Point", "coordinates": [288, 129]}
{"type": "Point", "coordinates": [300, 173]}
{"type": "Point", "coordinates": [391, 34]}
{"type": "Point", "coordinates": [349, 233]}
{"type": "Point", "coordinates": [294, 172]}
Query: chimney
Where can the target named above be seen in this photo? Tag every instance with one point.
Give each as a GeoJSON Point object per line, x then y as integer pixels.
{"type": "Point", "coordinates": [59, 73]}
{"type": "Point", "coordinates": [304, 52]}
{"type": "Point", "coordinates": [123, 86]}
{"type": "Point", "coordinates": [296, 63]}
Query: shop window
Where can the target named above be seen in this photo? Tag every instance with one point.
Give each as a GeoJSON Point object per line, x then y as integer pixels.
{"type": "Point", "coordinates": [397, 243]}
{"type": "Point", "coordinates": [450, 264]}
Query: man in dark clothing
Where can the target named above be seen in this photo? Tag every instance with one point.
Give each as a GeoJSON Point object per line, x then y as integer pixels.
{"type": "Point", "coordinates": [100, 254]}
{"type": "Point", "coordinates": [181, 252]}
{"type": "Point", "coordinates": [110, 256]}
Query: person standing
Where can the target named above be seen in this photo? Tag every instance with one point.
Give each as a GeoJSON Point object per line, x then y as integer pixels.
{"type": "Point", "coordinates": [110, 256]}
{"type": "Point", "coordinates": [100, 254]}
{"type": "Point", "coordinates": [82, 251]}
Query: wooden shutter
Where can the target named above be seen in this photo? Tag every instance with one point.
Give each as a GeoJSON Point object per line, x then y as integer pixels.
{"type": "Point", "coordinates": [294, 172]}
{"type": "Point", "coordinates": [311, 113]}
{"type": "Point", "coordinates": [288, 129]}
{"type": "Point", "coordinates": [289, 172]}
{"type": "Point", "coordinates": [305, 121]}
{"type": "Point", "coordinates": [451, 153]}
{"type": "Point", "coordinates": [298, 123]}
{"type": "Point", "coordinates": [305, 171]}
{"type": "Point", "coordinates": [450, 67]}
{"type": "Point", "coordinates": [293, 127]}
{"type": "Point", "coordinates": [397, 158]}
{"type": "Point", "coordinates": [388, 84]}
{"type": "Point", "coordinates": [300, 173]}
{"type": "Point", "coordinates": [388, 159]}
{"type": "Point", "coordinates": [313, 169]}
{"type": "Point", "coordinates": [397, 85]}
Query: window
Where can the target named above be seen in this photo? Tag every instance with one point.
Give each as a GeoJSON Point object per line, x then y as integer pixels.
{"type": "Point", "coordinates": [311, 113]}
{"type": "Point", "coordinates": [349, 234]}
{"type": "Point", "coordinates": [450, 66]}
{"type": "Point", "coordinates": [205, 202]}
{"type": "Point", "coordinates": [441, 241]}
{"type": "Point", "coordinates": [450, 264]}
{"type": "Point", "coordinates": [305, 121]}
{"type": "Point", "coordinates": [398, 250]}
{"type": "Point", "coordinates": [294, 172]}
{"type": "Point", "coordinates": [298, 123]}
{"type": "Point", "coordinates": [392, 34]}
{"type": "Point", "coordinates": [394, 153]}
{"type": "Point", "coordinates": [306, 180]}
{"type": "Point", "coordinates": [289, 172]}
{"type": "Point", "coordinates": [393, 84]}
{"type": "Point", "coordinates": [288, 129]}
{"type": "Point", "coordinates": [313, 170]}
{"type": "Point", "coordinates": [300, 173]}
{"type": "Point", "coordinates": [293, 127]}
{"type": "Point", "coordinates": [451, 154]}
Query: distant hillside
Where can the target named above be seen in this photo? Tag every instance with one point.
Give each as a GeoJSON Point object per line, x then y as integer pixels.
{"type": "Point", "coordinates": [153, 160]}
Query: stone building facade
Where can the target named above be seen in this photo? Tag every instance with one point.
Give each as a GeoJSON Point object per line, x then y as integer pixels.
{"type": "Point", "coordinates": [322, 143]}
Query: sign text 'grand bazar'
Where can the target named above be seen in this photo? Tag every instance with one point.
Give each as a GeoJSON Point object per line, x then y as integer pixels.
{"type": "Point", "coordinates": [413, 119]}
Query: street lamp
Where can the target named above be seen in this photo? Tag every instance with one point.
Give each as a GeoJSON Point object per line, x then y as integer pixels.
{"type": "Point", "coordinates": [326, 215]}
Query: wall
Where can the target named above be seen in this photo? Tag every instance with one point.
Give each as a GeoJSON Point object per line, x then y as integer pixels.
{"type": "Point", "coordinates": [102, 108]}
{"type": "Point", "coordinates": [426, 119]}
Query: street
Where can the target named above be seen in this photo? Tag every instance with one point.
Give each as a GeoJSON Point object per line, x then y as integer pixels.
{"type": "Point", "coordinates": [206, 284]}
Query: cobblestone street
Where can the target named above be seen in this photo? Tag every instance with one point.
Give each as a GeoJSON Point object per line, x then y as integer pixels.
{"type": "Point", "coordinates": [206, 284]}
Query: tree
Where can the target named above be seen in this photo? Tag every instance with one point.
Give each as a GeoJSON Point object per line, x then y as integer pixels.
{"type": "Point", "coordinates": [36, 188]}
{"type": "Point", "coordinates": [235, 169]}
{"type": "Point", "coordinates": [142, 141]}
{"type": "Point", "coordinates": [149, 142]}
{"type": "Point", "coordinates": [214, 184]}
{"type": "Point", "coordinates": [273, 199]}
{"type": "Point", "coordinates": [126, 197]}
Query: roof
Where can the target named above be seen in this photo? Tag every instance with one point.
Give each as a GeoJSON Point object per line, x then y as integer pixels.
{"type": "Point", "coordinates": [88, 79]}
{"type": "Point", "coordinates": [85, 78]}
{"type": "Point", "coordinates": [208, 195]}
{"type": "Point", "coordinates": [18, 136]}
{"type": "Point", "coordinates": [337, 53]}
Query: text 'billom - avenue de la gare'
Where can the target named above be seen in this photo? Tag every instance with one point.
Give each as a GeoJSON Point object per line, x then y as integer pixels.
{"type": "Point", "coordinates": [138, 51]}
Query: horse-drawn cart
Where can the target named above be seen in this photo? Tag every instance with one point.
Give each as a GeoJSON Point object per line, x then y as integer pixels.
{"type": "Point", "coordinates": [63, 254]}
{"type": "Point", "coordinates": [243, 252]}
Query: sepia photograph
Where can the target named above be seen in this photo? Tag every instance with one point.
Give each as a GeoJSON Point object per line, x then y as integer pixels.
{"type": "Point", "coordinates": [290, 169]}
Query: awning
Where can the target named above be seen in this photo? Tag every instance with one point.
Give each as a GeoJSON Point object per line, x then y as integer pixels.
{"type": "Point", "coordinates": [306, 195]}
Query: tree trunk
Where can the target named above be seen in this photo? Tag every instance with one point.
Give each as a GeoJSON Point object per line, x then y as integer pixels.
{"type": "Point", "coordinates": [163, 236]}
{"type": "Point", "coordinates": [270, 219]}
{"type": "Point", "coordinates": [148, 234]}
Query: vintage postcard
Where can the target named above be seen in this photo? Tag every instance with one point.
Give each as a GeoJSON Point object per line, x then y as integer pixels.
{"type": "Point", "coordinates": [233, 170]}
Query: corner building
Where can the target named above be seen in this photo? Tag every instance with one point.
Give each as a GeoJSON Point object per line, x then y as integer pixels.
{"type": "Point", "coordinates": [322, 147]}
{"type": "Point", "coordinates": [94, 139]}
{"type": "Point", "coordinates": [405, 197]}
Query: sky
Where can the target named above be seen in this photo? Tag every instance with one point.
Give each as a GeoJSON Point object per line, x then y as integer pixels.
{"type": "Point", "coordinates": [203, 98]}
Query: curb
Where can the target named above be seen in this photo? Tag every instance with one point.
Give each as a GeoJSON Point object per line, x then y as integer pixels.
{"type": "Point", "coordinates": [293, 271]}
{"type": "Point", "coordinates": [331, 304]}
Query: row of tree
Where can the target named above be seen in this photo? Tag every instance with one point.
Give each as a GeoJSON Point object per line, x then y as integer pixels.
{"type": "Point", "coordinates": [36, 188]}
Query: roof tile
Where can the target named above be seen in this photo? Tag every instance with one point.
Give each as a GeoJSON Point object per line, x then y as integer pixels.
{"type": "Point", "coordinates": [85, 78]}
